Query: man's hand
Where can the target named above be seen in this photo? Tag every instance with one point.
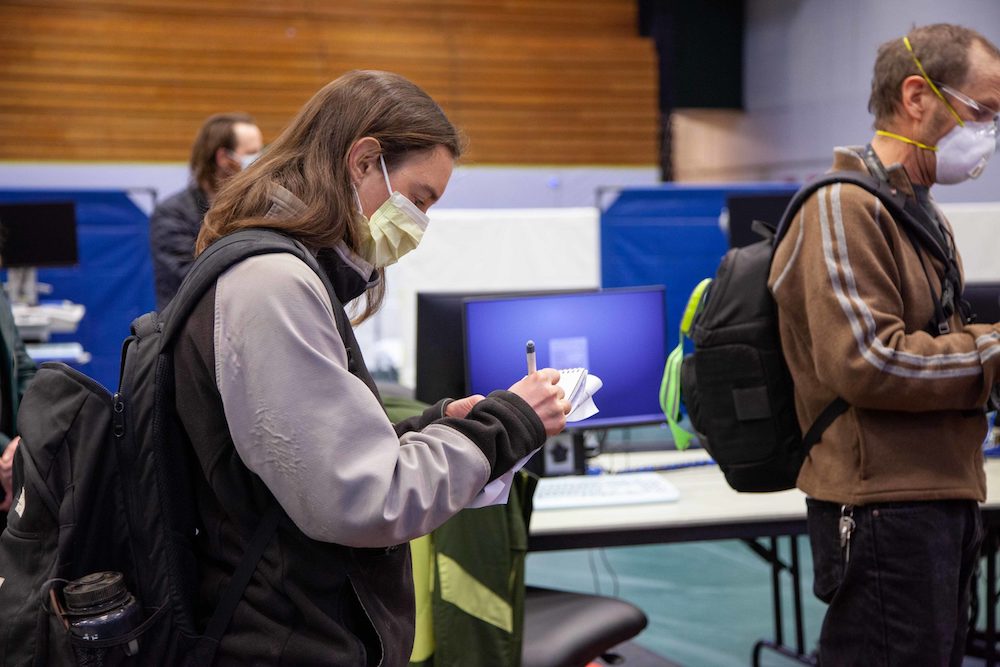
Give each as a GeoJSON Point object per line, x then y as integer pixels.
{"type": "Point", "coordinates": [6, 471]}
{"type": "Point", "coordinates": [460, 408]}
{"type": "Point", "coordinates": [540, 391]}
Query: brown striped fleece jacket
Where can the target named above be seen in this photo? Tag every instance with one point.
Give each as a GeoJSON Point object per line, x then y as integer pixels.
{"type": "Point", "coordinates": [853, 301]}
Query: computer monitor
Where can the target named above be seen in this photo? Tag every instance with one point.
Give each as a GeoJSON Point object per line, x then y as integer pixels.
{"type": "Point", "coordinates": [32, 236]}
{"type": "Point", "coordinates": [440, 354]}
{"type": "Point", "coordinates": [744, 209]}
{"type": "Point", "coordinates": [440, 371]}
{"type": "Point", "coordinates": [38, 235]}
{"type": "Point", "coordinates": [985, 301]}
{"type": "Point", "coordinates": [619, 335]}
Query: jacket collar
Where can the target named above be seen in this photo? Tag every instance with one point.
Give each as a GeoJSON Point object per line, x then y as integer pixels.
{"type": "Point", "coordinates": [349, 278]}
{"type": "Point", "coordinates": [850, 158]}
{"type": "Point", "coordinates": [200, 198]}
{"type": "Point", "coordinates": [348, 272]}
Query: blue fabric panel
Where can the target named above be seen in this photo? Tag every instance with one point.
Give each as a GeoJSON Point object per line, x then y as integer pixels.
{"type": "Point", "coordinates": [668, 235]}
{"type": "Point", "coordinates": [114, 279]}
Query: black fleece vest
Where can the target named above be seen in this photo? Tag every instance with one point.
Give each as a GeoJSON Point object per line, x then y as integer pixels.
{"type": "Point", "coordinates": [309, 602]}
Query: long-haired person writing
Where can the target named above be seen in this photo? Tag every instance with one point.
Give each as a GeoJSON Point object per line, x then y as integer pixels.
{"type": "Point", "coordinates": [279, 407]}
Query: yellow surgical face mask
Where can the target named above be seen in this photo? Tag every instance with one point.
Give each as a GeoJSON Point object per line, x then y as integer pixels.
{"type": "Point", "coordinates": [394, 229]}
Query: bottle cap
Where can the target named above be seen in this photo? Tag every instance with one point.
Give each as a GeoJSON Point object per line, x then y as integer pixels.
{"type": "Point", "coordinates": [94, 590]}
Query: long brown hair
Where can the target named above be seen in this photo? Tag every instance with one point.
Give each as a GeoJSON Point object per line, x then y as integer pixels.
{"type": "Point", "coordinates": [309, 159]}
{"type": "Point", "coordinates": [215, 133]}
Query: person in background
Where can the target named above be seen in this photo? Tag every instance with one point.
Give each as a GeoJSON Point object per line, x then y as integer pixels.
{"type": "Point", "coordinates": [226, 144]}
{"type": "Point", "coordinates": [279, 408]}
{"type": "Point", "coordinates": [893, 484]}
{"type": "Point", "coordinates": [16, 371]}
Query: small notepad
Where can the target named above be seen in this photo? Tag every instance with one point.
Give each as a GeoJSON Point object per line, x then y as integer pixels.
{"type": "Point", "coordinates": [573, 381]}
{"type": "Point", "coordinates": [580, 387]}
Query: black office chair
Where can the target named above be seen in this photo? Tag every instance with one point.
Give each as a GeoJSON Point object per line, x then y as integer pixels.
{"type": "Point", "coordinates": [564, 629]}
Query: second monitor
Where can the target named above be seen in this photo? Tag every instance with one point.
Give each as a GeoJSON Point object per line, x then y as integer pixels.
{"type": "Point", "coordinates": [440, 368]}
{"type": "Point", "coordinates": [618, 335]}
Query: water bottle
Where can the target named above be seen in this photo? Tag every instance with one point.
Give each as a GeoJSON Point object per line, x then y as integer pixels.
{"type": "Point", "coordinates": [101, 607]}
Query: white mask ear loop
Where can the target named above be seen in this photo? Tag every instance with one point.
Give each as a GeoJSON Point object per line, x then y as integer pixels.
{"type": "Point", "coordinates": [385, 172]}
{"type": "Point", "coordinates": [357, 199]}
{"type": "Point", "coordinates": [388, 186]}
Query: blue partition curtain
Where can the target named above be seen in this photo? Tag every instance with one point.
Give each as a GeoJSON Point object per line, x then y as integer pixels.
{"type": "Point", "coordinates": [669, 235]}
{"type": "Point", "coordinates": [114, 278]}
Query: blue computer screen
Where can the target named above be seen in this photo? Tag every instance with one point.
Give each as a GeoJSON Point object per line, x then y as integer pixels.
{"type": "Point", "coordinates": [617, 334]}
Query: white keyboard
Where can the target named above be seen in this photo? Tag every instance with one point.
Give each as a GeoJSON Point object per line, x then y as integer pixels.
{"type": "Point", "coordinates": [631, 488]}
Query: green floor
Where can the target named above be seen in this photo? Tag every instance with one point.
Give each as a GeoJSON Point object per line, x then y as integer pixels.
{"type": "Point", "coordinates": [707, 602]}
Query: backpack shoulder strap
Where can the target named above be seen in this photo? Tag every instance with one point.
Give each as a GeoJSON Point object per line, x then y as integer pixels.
{"type": "Point", "coordinates": [217, 258]}
{"type": "Point", "coordinates": [895, 203]}
{"type": "Point", "coordinates": [226, 253]}
{"type": "Point", "coordinates": [893, 200]}
{"type": "Point", "coordinates": [213, 262]}
{"type": "Point", "coordinates": [899, 208]}
{"type": "Point", "coordinates": [233, 592]}
{"type": "Point", "coordinates": [836, 407]}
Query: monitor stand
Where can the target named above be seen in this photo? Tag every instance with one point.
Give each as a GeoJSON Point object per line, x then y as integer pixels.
{"type": "Point", "coordinates": [562, 454]}
{"type": "Point", "coordinates": [22, 285]}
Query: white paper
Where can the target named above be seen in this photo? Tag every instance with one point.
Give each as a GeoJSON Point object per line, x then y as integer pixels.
{"type": "Point", "coordinates": [573, 382]}
{"type": "Point", "coordinates": [580, 387]}
{"type": "Point", "coordinates": [498, 491]}
{"type": "Point", "coordinates": [584, 405]}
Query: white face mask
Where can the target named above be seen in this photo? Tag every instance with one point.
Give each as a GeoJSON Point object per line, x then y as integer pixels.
{"type": "Point", "coordinates": [963, 152]}
{"type": "Point", "coordinates": [394, 229]}
{"type": "Point", "coordinates": [247, 160]}
{"type": "Point", "coordinates": [244, 160]}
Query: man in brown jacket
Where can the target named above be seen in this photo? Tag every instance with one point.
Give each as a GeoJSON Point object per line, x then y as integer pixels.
{"type": "Point", "coordinates": [893, 485]}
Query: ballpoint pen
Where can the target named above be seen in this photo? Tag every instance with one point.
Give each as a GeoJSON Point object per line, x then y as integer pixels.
{"type": "Point", "coordinates": [530, 350]}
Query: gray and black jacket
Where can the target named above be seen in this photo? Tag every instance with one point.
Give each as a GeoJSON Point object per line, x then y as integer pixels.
{"type": "Point", "coordinates": [278, 407]}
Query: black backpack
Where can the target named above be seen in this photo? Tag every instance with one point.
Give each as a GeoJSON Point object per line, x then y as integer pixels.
{"type": "Point", "coordinates": [736, 385]}
{"type": "Point", "coordinates": [105, 482]}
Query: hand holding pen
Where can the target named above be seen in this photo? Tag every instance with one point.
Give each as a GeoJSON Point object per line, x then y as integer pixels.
{"type": "Point", "coordinates": [540, 389]}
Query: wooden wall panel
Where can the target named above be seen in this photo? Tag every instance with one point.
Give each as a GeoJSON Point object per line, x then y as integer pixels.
{"type": "Point", "coordinates": [528, 81]}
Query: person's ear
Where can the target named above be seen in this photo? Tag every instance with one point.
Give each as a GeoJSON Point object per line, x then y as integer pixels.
{"type": "Point", "coordinates": [223, 159]}
{"type": "Point", "coordinates": [362, 157]}
{"type": "Point", "coordinates": [915, 98]}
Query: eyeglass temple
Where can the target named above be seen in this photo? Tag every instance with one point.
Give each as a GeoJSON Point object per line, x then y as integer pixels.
{"type": "Point", "coordinates": [968, 101]}
{"type": "Point", "coordinates": [923, 73]}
